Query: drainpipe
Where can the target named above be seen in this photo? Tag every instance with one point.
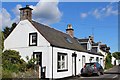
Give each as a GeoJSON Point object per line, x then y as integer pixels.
{"type": "Point", "coordinates": [52, 62]}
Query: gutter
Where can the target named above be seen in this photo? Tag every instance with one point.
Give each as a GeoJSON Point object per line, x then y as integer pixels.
{"type": "Point", "coordinates": [77, 50]}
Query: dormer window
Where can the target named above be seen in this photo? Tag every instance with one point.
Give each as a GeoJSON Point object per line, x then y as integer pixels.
{"type": "Point", "coordinates": [33, 39]}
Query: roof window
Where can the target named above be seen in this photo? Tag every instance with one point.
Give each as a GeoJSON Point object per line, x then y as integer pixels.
{"type": "Point", "coordinates": [68, 40]}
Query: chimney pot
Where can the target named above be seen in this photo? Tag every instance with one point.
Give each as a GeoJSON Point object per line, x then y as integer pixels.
{"type": "Point", "coordinates": [27, 5]}
{"type": "Point", "coordinates": [70, 30]}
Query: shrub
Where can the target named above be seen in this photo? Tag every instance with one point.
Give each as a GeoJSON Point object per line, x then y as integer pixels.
{"type": "Point", "coordinates": [108, 61]}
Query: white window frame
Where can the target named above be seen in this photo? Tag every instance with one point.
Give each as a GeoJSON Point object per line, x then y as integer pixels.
{"type": "Point", "coordinates": [63, 67]}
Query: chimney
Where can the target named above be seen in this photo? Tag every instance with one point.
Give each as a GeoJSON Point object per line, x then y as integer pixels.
{"type": "Point", "coordinates": [70, 30]}
{"type": "Point", "coordinates": [91, 39]}
{"type": "Point", "coordinates": [26, 13]}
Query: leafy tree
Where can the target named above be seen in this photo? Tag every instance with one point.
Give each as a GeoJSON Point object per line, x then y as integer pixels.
{"type": "Point", "coordinates": [13, 26]}
{"type": "Point", "coordinates": [30, 63]}
{"type": "Point", "coordinates": [11, 60]}
{"type": "Point", "coordinates": [13, 64]}
{"type": "Point", "coordinates": [1, 41]}
{"type": "Point", "coordinates": [108, 61]}
{"type": "Point", "coordinates": [116, 55]}
{"type": "Point", "coordinates": [8, 30]}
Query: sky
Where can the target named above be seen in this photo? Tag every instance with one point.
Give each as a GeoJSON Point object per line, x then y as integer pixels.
{"type": "Point", "coordinates": [87, 18]}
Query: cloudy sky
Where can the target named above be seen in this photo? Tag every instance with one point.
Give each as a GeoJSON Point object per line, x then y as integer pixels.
{"type": "Point", "coordinates": [87, 18]}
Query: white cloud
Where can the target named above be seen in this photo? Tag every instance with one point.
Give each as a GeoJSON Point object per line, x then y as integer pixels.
{"type": "Point", "coordinates": [96, 13]}
{"type": "Point", "coordinates": [6, 18]}
{"type": "Point", "coordinates": [83, 15]}
{"type": "Point", "coordinates": [46, 12]}
{"type": "Point", "coordinates": [16, 12]}
{"type": "Point", "coordinates": [103, 12]}
{"type": "Point", "coordinates": [111, 11]}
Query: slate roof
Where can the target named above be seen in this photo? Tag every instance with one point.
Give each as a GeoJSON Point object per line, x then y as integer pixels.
{"type": "Point", "coordinates": [95, 44]}
{"type": "Point", "coordinates": [83, 40]}
{"type": "Point", "coordinates": [59, 39]}
{"type": "Point", "coordinates": [103, 46]}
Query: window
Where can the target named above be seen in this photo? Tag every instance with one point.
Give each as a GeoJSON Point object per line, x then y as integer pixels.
{"type": "Point", "coordinates": [37, 56]}
{"type": "Point", "coordinates": [32, 39]}
{"type": "Point", "coordinates": [91, 59]}
{"type": "Point", "coordinates": [84, 45]}
{"type": "Point", "coordinates": [27, 12]}
{"type": "Point", "coordinates": [94, 48]}
{"type": "Point", "coordinates": [100, 60]}
{"type": "Point", "coordinates": [97, 59]}
{"type": "Point", "coordinates": [62, 64]}
{"type": "Point", "coordinates": [68, 40]}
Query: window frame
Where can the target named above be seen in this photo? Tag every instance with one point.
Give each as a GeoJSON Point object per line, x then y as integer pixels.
{"type": "Point", "coordinates": [97, 59]}
{"type": "Point", "coordinates": [30, 40]}
{"type": "Point", "coordinates": [65, 62]}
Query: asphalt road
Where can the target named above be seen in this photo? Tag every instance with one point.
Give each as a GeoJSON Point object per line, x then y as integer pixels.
{"type": "Point", "coordinates": [112, 74]}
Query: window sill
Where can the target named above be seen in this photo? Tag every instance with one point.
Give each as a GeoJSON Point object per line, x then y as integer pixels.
{"type": "Point", "coordinates": [33, 45]}
{"type": "Point", "coordinates": [62, 70]}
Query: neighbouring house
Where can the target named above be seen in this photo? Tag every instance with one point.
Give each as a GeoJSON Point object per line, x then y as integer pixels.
{"type": "Point", "coordinates": [90, 45]}
{"type": "Point", "coordinates": [59, 54]}
{"type": "Point", "coordinates": [115, 61]}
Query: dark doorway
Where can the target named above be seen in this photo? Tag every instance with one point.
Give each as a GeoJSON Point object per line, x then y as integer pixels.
{"type": "Point", "coordinates": [38, 56]}
{"type": "Point", "coordinates": [74, 55]}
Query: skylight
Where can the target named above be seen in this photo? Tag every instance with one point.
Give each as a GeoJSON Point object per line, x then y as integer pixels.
{"type": "Point", "coordinates": [68, 40]}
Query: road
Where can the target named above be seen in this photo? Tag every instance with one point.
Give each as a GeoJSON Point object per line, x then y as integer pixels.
{"type": "Point", "coordinates": [112, 74]}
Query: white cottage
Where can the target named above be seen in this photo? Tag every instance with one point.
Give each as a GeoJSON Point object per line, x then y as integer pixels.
{"type": "Point", "coordinates": [60, 54]}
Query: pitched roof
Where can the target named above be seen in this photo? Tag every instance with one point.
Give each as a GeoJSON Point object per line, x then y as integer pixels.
{"type": "Point", "coordinates": [95, 44]}
{"type": "Point", "coordinates": [103, 46]}
{"type": "Point", "coordinates": [59, 39]}
{"type": "Point", "coordinates": [83, 40]}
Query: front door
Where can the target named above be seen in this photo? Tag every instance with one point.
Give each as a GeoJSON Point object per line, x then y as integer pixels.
{"type": "Point", "coordinates": [74, 55]}
{"type": "Point", "coordinates": [38, 57]}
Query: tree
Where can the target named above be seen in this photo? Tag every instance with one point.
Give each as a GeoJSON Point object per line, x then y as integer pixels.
{"type": "Point", "coordinates": [13, 26]}
{"type": "Point", "coordinates": [8, 30]}
{"type": "Point", "coordinates": [116, 55]}
{"type": "Point", "coordinates": [30, 63]}
{"type": "Point", "coordinates": [1, 41]}
{"type": "Point", "coordinates": [11, 60]}
{"type": "Point", "coordinates": [108, 61]}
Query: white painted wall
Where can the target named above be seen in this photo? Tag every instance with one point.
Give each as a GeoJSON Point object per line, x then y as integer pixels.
{"type": "Point", "coordinates": [78, 63]}
{"type": "Point", "coordinates": [19, 38]}
{"type": "Point", "coordinates": [113, 60]}
{"type": "Point", "coordinates": [103, 53]}
{"type": "Point", "coordinates": [89, 46]}
{"type": "Point", "coordinates": [117, 62]}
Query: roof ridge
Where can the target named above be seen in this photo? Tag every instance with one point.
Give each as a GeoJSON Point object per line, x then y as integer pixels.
{"type": "Point", "coordinates": [51, 28]}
